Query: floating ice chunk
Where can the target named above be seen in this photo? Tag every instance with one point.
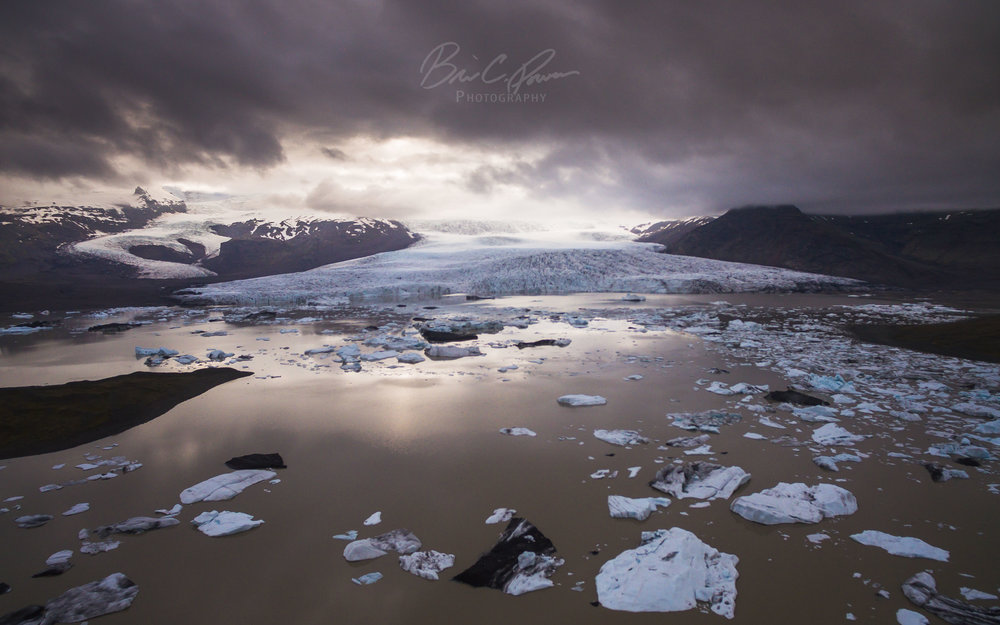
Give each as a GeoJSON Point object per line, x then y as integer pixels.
{"type": "Point", "coordinates": [816, 414]}
{"type": "Point", "coordinates": [217, 355]}
{"type": "Point", "coordinates": [452, 351]}
{"type": "Point", "coordinates": [817, 538]}
{"type": "Point", "coordinates": [840, 398]}
{"type": "Point", "coordinates": [795, 503]}
{"type": "Point", "coordinates": [708, 421]}
{"type": "Point", "coordinates": [831, 435]}
{"type": "Point", "coordinates": [77, 509]}
{"type": "Point", "coordinates": [399, 540]}
{"type": "Point", "coordinates": [59, 557]}
{"type": "Point", "coordinates": [410, 358]}
{"type": "Point", "coordinates": [426, 564]}
{"type": "Point", "coordinates": [971, 594]}
{"type": "Point", "coordinates": [501, 515]}
{"type": "Point", "coordinates": [633, 377]}
{"type": "Point", "coordinates": [380, 355]}
{"type": "Point", "coordinates": [830, 383]}
{"type": "Point", "coordinates": [224, 523]}
{"type": "Point", "coordinates": [632, 297]}
{"type": "Point", "coordinates": [374, 519]}
{"type": "Point", "coordinates": [975, 410]}
{"type": "Point", "coordinates": [163, 352]}
{"type": "Point", "coordinates": [48, 487]}
{"type": "Point", "coordinates": [704, 450]}
{"type": "Point", "coordinates": [349, 535]}
{"type": "Point", "coordinates": [699, 480]}
{"type": "Point", "coordinates": [742, 388]}
{"type": "Point", "coordinates": [91, 549]}
{"type": "Point", "coordinates": [326, 349]}
{"type": "Point", "coordinates": [633, 471]}
{"type": "Point", "coordinates": [620, 437]}
{"type": "Point", "coordinates": [627, 508]}
{"type": "Point", "coordinates": [114, 593]}
{"type": "Point", "coordinates": [517, 432]}
{"type": "Point", "coordinates": [174, 511]}
{"type": "Point", "coordinates": [186, 359]}
{"type": "Point", "coordinates": [582, 400]}
{"type": "Point", "coordinates": [909, 617]}
{"type": "Point", "coordinates": [367, 578]}
{"type": "Point", "coordinates": [672, 570]}
{"type": "Point", "coordinates": [907, 546]}
{"type": "Point", "coordinates": [754, 436]}
{"type": "Point", "coordinates": [771, 424]}
{"type": "Point", "coordinates": [687, 441]}
{"type": "Point", "coordinates": [720, 388]}
{"type": "Point", "coordinates": [225, 486]}
{"type": "Point", "coordinates": [600, 474]}
{"type": "Point", "coordinates": [521, 561]}
{"type": "Point", "coordinates": [135, 525]}
{"type": "Point", "coordinates": [921, 590]}
{"type": "Point", "coordinates": [33, 520]}
{"type": "Point", "coordinates": [993, 427]}
{"type": "Point", "coordinates": [825, 462]}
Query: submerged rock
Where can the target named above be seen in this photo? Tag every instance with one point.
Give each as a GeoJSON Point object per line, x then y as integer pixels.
{"type": "Point", "coordinates": [620, 507]}
{"type": "Point", "coordinates": [671, 571]}
{"type": "Point", "coordinates": [522, 561]}
{"type": "Point", "coordinates": [114, 593]}
{"type": "Point", "coordinates": [582, 400]}
{"type": "Point", "coordinates": [795, 503]}
{"type": "Point", "coordinates": [400, 540]}
{"type": "Point", "coordinates": [791, 396]}
{"type": "Point", "coordinates": [905, 546]}
{"type": "Point", "coordinates": [922, 591]}
{"type": "Point", "coordinates": [700, 480]}
{"type": "Point", "coordinates": [426, 564]}
{"type": "Point", "coordinates": [256, 461]}
{"type": "Point", "coordinates": [620, 437]}
{"type": "Point", "coordinates": [135, 525]}
{"type": "Point", "coordinates": [225, 486]}
{"type": "Point", "coordinates": [224, 523]}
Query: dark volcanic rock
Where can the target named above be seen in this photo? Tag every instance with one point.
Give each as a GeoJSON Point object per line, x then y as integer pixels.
{"type": "Point", "coordinates": [439, 336]}
{"type": "Point", "coordinates": [31, 615]}
{"type": "Point", "coordinates": [4, 588]}
{"type": "Point", "coordinates": [538, 343]}
{"type": "Point", "coordinates": [792, 396]}
{"type": "Point", "coordinates": [256, 461]}
{"type": "Point", "coordinates": [497, 568]}
{"type": "Point", "coordinates": [111, 328]}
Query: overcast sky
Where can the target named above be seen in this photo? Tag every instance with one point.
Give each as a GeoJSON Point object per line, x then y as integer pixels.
{"type": "Point", "coordinates": [508, 109]}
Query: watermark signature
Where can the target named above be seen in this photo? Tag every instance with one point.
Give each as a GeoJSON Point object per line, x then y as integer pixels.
{"type": "Point", "coordinates": [439, 68]}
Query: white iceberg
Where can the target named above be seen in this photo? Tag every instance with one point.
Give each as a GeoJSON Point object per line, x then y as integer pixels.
{"type": "Point", "coordinates": [400, 540]}
{"type": "Point", "coordinates": [225, 486]}
{"type": "Point", "coordinates": [517, 432]}
{"type": "Point", "coordinates": [628, 508]}
{"type": "Point", "coordinates": [700, 480]}
{"type": "Point", "coordinates": [426, 564]}
{"type": "Point", "coordinates": [834, 435]}
{"type": "Point", "coordinates": [671, 571]}
{"type": "Point", "coordinates": [452, 351]}
{"type": "Point", "coordinates": [224, 523]}
{"type": "Point", "coordinates": [620, 437]}
{"type": "Point", "coordinates": [374, 519]}
{"type": "Point", "coordinates": [905, 546]}
{"type": "Point", "coordinates": [77, 509]}
{"type": "Point", "coordinates": [795, 503]}
{"type": "Point", "coordinates": [501, 515]}
{"type": "Point", "coordinates": [582, 400]}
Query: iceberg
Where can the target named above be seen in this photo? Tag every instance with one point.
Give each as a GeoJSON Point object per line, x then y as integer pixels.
{"type": "Point", "coordinates": [426, 564]}
{"type": "Point", "coordinates": [400, 540]}
{"type": "Point", "coordinates": [620, 437]}
{"type": "Point", "coordinates": [225, 486]}
{"type": "Point", "coordinates": [224, 523]}
{"type": "Point", "coordinates": [114, 593]}
{"type": "Point", "coordinates": [521, 561]}
{"type": "Point", "coordinates": [671, 571]}
{"type": "Point", "coordinates": [795, 503]}
{"type": "Point", "coordinates": [639, 509]}
{"type": "Point", "coordinates": [700, 480]}
{"type": "Point", "coordinates": [834, 435]}
{"type": "Point", "coordinates": [501, 515]}
{"type": "Point", "coordinates": [908, 547]}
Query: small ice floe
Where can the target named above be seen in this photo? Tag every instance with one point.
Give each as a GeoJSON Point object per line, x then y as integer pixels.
{"type": "Point", "coordinates": [349, 535]}
{"type": "Point", "coordinates": [709, 421]}
{"type": "Point", "coordinates": [905, 546]}
{"type": "Point", "coordinates": [771, 424]}
{"type": "Point", "coordinates": [699, 480]}
{"type": "Point", "coordinates": [909, 617]}
{"type": "Point", "coordinates": [507, 368]}
{"type": "Point", "coordinates": [33, 520]}
{"type": "Point", "coordinates": [400, 540]}
{"type": "Point", "coordinates": [628, 508]}
{"type": "Point", "coordinates": [795, 503]}
{"type": "Point", "coordinates": [48, 487]}
{"type": "Point", "coordinates": [225, 486]}
{"type": "Point", "coordinates": [633, 471]}
{"type": "Point", "coordinates": [816, 414]}
{"type": "Point", "coordinates": [326, 349]}
{"type": "Point", "coordinates": [704, 450]}
{"type": "Point", "coordinates": [632, 297]}
{"type": "Point", "coordinates": [94, 548]}
{"type": "Point", "coordinates": [215, 333]}
{"type": "Point", "coordinates": [217, 355]}
{"type": "Point", "coordinates": [600, 474]}
{"type": "Point", "coordinates": [426, 564]}
{"type": "Point", "coordinates": [971, 594]}
{"type": "Point", "coordinates": [501, 515]}
{"type": "Point", "coordinates": [817, 538]}
{"type": "Point", "coordinates": [833, 384]}
{"type": "Point", "coordinates": [671, 571]}
{"type": "Point", "coordinates": [720, 388]}
{"type": "Point", "coordinates": [224, 523]}
{"type": "Point", "coordinates": [374, 519]}
{"type": "Point", "coordinates": [174, 511]}
{"type": "Point", "coordinates": [943, 474]}
{"type": "Point", "coordinates": [687, 441]}
{"type": "Point", "coordinates": [833, 435]}
{"type": "Point", "coordinates": [975, 410]}
{"type": "Point", "coordinates": [410, 358]}
{"type": "Point", "coordinates": [582, 400]}
{"type": "Point", "coordinates": [517, 432]}
{"type": "Point", "coordinates": [397, 343]}
{"type": "Point", "coordinates": [77, 509]}
{"type": "Point", "coordinates": [451, 351]}
{"type": "Point", "coordinates": [162, 352]}
{"type": "Point", "coordinates": [58, 466]}
{"type": "Point", "coordinates": [59, 557]}
{"type": "Point", "coordinates": [112, 594]}
{"type": "Point", "coordinates": [830, 462]}
{"type": "Point", "coordinates": [921, 590]}
{"type": "Point", "coordinates": [186, 359]}
{"type": "Point", "coordinates": [367, 579]}
{"type": "Point", "coordinates": [135, 525]}
{"type": "Point", "coordinates": [521, 561]}
{"type": "Point", "coordinates": [379, 355]}
{"type": "Point", "coordinates": [620, 437]}
{"type": "Point", "coordinates": [754, 436]}
{"type": "Point", "coordinates": [633, 378]}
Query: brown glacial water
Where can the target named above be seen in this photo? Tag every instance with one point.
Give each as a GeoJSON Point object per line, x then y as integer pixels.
{"type": "Point", "coordinates": [420, 443]}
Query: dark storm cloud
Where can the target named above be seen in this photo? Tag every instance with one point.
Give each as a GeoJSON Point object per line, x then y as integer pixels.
{"type": "Point", "coordinates": [837, 106]}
